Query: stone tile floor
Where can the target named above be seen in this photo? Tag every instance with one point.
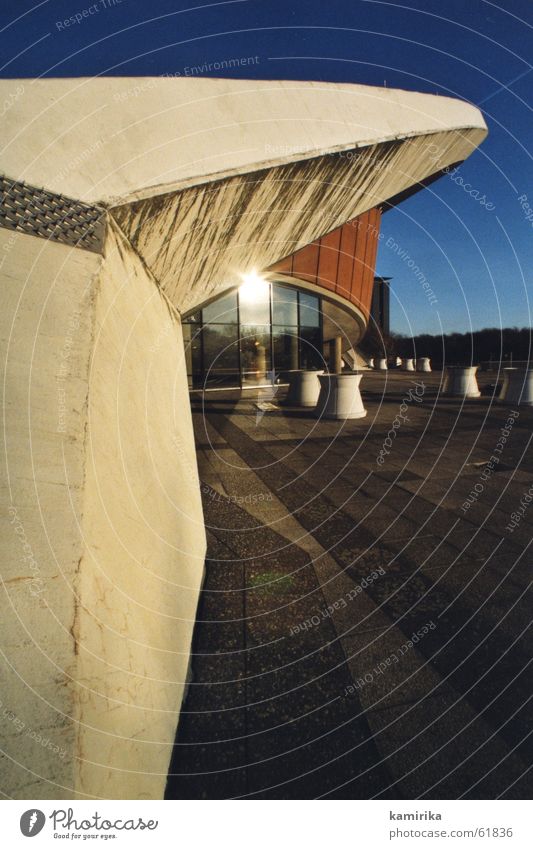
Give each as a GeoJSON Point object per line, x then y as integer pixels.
{"type": "Point", "coordinates": [361, 634]}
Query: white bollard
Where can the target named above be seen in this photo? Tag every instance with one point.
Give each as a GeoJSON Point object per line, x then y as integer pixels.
{"type": "Point", "coordinates": [398, 362]}
{"type": "Point", "coordinates": [371, 362]}
{"type": "Point", "coordinates": [517, 386]}
{"type": "Point", "coordinates": [304, 388]}
{"type": "Point", "coordinates": [409, 364]}
{"type": "Point", "coordinates": [423, 364]}
{"type": "Point", "coordinates": [505, 384]}
{"type": "Point", "coordinates": [340, 397]}
{"type": "Point", "coordinates": [461, 381]}
{"type": "Point", "coordinates": [382, 364]}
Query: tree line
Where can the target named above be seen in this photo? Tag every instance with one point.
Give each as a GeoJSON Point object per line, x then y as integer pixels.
{"type": "Point", "coordinates": [491, 343]}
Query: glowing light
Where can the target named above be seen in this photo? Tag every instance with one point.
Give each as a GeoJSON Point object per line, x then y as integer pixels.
{"type": "Point", "coordinates": [253, 288]}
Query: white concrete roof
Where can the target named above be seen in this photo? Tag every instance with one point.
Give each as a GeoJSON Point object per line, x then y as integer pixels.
{"type": "Point", "coordinates": [114, 140]}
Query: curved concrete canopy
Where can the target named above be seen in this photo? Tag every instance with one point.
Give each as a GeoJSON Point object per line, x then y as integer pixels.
{"type": "Point", "coordinates": [111, 140]}
{"type": "Point", "coordinates": [197, 241]}
{"type": "Point", "coordinates": [211, 178]}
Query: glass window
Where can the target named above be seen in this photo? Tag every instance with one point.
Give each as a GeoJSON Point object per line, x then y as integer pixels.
{"type": "Point", "coordinates": [232, 341]}
{"type": "Point", "coordinates": [221, 348]}
{"type": "Point", "coordinates": [256, 358]}
{"type": "Point", "coordinates": [311, 348]}
{"type": "Point", "coordinates": [286, 344]}
{"type": "Point", "coordinates": [284, 306]}
{"type": "Point", "coordinates": [254, 304]}
{"type": "Point", "coordinates": [192, 342]}
{"type": "Point", "coordinates": [309, 310]}
{"type": "Point", "coordinates": [221, 311]}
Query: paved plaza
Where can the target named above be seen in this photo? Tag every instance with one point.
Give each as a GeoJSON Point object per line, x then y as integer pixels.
{"type": "Point", "coordinates": [363, 627]}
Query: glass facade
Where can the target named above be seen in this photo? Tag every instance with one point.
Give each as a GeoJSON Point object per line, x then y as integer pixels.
{"type": "Point", "coordinates": [244, 336]}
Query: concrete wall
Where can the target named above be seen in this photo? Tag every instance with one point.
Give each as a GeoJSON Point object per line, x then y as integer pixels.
{"type": "Point", "coordinates": [103, 536]}
{"type": "Point", "coordinates": [144, 535]}
{"type": "Point", "coordinates": [47, 294]}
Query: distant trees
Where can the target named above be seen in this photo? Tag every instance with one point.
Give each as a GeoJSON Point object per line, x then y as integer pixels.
{"type": "Point", "coordinates": [491, 343]}
{"type": "Point", "coordinates": [375, 343]}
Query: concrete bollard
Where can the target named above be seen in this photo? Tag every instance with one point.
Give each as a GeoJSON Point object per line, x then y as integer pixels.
{"type": "Point", "coordinates": [304, 388]}
{"type": "Point", "coordinates": [409, 364]}
{"type": "Point", "coordinates": [505, 384]}
{"type": "Point", "coordinates": [517, 386]}
{"type": "Point", "coordinates": [423, 364]}
{"type": "Point", "coordinates": [340, 397]}
{"type": "Point", "coordinates": [382, 364]}
{"type": "Point", "coordinates": [460, 381]}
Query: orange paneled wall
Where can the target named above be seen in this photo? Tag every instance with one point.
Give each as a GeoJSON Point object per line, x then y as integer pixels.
{"type": "Point", "coordinates": [342, 261]}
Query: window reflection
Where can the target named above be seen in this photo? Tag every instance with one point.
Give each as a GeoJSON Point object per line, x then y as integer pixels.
{"type": "Point", "coordinates": [221, 354]}
{"type": "Point", "coordinates": [256, 357]}
{"type": "Point", "coordinates": [254, 306]}
{"type": "Point", "coordinates": [193, 354]}
{"type": "Point", "coordinates": [309, 310]}
{"type": "Point", "coordinates": [232, 341]}
{"type": "Point", "coordinates": [284, 306]}
{"type": "Point", "coordinates": [222, 311]}
{"type": "Point", "coordinates": [311, 348]}
{"type": "Point", "coordinates": [285, 341]}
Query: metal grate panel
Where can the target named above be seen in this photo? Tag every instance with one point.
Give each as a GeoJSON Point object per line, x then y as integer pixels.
{"type": "Point", "coordinates": [50, 216]}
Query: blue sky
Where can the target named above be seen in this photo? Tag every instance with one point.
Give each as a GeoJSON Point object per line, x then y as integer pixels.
{"type": "Point", "coordinates": [471, 239]}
